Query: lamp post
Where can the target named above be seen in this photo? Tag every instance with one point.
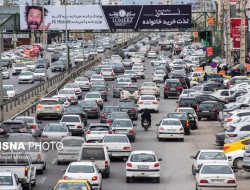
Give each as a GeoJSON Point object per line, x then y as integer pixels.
{"type": "Point", "coordinates": [45, 52]}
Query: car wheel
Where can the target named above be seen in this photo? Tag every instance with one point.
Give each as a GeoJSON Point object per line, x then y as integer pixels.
{"type": "Point", "coordinates": [40, 171]}
{"type": "Point", "coordinates": [59, 162]}
{"type": "Point", "coordinates": [128, 180]}
{"type": "Point", "coordinates": [44, 167]}
{"type": "Point", "coordinates": [165, 96]}
{"type": "Point", "coordinates": [143, 77]}
{"type": "Point", "coordinates": [199, 118]}
{"type": "Point", "coordinates": [157, 180]}
{"type": "Point", "coordinates": [193, 170]}
{"type": "Point", "coordinates": [238, 163]}
{"type": "Point", "coordinates": [28, 187]}
{"type": "Point", "coordinates": [152, 64]}
{"type": "Point", "coordinates": [34, 184]}
{"type": "Point", "coordinates": [182, 140]}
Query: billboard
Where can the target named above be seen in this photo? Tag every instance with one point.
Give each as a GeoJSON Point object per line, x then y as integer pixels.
{"type": "Point", "coordinates": [96, 17]}
{"type": "Point", "coordinates": [236, 31]}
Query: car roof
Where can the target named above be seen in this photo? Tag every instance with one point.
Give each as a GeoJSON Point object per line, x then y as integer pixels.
{"type": "Point", "coordinates": [6, 173]}
{"type": "Point", "coordinates": [73, 138]}
{"type": "Point", "coordinates": [211, 150]}
{"type": "Point", "coordinates": [71, 115]}
{"type": "Point", "coordinates": [142, 152]}
{"type": "Point", "coordinates": [98, 124]}
{"type": "Point", "coordinates": [82, 163]}
{"type": "Point", "coordinates": [171, 119]}
{"type": "Point", "coordinates": [72, 181]}
{"type": "Point", "coordinates": [214, 102]}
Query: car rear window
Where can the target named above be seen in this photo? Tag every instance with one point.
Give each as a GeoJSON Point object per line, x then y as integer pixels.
{"type": "Point", "coordinates": [147, 98]}
{"type": "Point", "coordinates": [178, 115]}
{"type": "Point", "coordinates": [81, 169]}
{"type": "Point", "coordinates": [143, 158]}
{"type": "Point", "coordinates": [206, 105]}
{"type": "Point", "coordinates": [12, 125]}
{"type": "Point", "coordinates": [93, 154]}
{"type": "Point", "coordinates": [99, 128]}
{"type": "Point", "coordinates": [216, 169]}
{"type": "Point", "coordinates": [70, 119]}
{"type": "Point", "coordinates": [184, 101]}
{"type": "Point", "coordinates": [170, 122]}
{"type": "Point", "coordinates": [111, 109]}
{"type": "Point", "coordinates": [231, 129]}
{"type": "Point", "coordinates": [125, 104]}
{"type": "Point", "coordinates": [119, 115]}
{"type": "Point", "coordinates": [122, 123]}
{"type": "Point", "coordinates": [6, 180]}
{"type": "Point", "coordinates": [173, 84]}
{"type": "Point", "coordinates": [130, 88]}
{"type": "Point", "coordinates": [48, 102]}
{"type": "Point", "coordinates": [212, 156]}
{"type": "Point", "coordinates": [116, 139]}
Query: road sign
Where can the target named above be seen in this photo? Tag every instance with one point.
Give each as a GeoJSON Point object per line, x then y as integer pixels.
{"type": "Point", "coordinates": [32, 54]}
{"type": "Point", "coordinates": [214, 65]}
{"type": "Point", "coordinates": [211, 21]}
{"type": "Point", "coordinates": [209, 51]}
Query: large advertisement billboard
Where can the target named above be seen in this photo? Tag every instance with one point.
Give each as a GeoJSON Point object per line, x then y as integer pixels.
{"type": "Point", "coordinates": [236, 31]}
{"type": "Point", "coordinates": [96, 17]}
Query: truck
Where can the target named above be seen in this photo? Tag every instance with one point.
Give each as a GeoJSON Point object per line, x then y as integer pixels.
{"type": "Point", "coordinates": [21, 165]}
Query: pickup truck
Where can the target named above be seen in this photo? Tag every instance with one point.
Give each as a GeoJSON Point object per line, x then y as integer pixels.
{"type": "Point", "coordinates": [21, 165]}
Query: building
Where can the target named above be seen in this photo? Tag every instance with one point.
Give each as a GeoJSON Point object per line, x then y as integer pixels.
{"type": "Point", "coordinates": [167, 2]}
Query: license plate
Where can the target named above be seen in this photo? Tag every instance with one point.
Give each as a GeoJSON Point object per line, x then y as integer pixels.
{"type": "Point", "coordinates": [217, 180]}
{"type": "Point", "coordinates": [171, 129]}
{"type": "Point", "coordinates": [147, 103]}
{"type": "Point", "coordinates": [205, 111]}
{"type": "Point", "coordinates": [8, 133]}
{"type": "Point", "coordinates": [172, 88]}
{"type": "Point", "coordinates": [48, 108]}
{"type": "Point", "coordinates": [121, 131]}
{"type": "Point", "coordinates": [143, 167]}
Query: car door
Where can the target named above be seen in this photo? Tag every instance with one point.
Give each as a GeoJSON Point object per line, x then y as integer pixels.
{"type": "Point", "coordinates": [244, 132]}
{"type": "Point", "coordinates": [18, 184]}
{"type": "Point", "coordinates": [192, 120]}
{"type": "Point", "coordinates": [195, 159]}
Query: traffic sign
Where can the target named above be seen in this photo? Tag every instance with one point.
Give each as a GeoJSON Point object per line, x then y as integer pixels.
{"type": "Point", "coordinates": [214, 64]}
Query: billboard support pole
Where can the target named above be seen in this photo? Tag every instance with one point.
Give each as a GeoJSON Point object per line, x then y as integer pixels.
{"type": "Point", "coordinates": [243, 32]}
{"type": "Point", "coordinates": [228, 35]}
{"type": "Point", "coordinates": [1, 80]}
{"type": "Point", "coordinates": [67, 38]}
{"type": "Point", "coordinates": [83, 58]}
{"type": "Point", "coordinates": [45, 52]}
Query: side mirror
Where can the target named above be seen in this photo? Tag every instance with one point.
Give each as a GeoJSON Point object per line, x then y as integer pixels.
{"type": "Point", "coordinates": [157, 124]}
{"type": "Point", "coordinates": [110, 154]}
{"type": "Point", "coordinates": [192, 157]}
{"type": "Point", "coordinates": [235, 170]}
{"type": "Point", "coordinates": [229, 157]}
{"type": "Point", "coordinates": [158, 99]}
{"type": "Point", "coordinates": [159, 159]}
{"type": "Point", "coordinates": [64, 170]}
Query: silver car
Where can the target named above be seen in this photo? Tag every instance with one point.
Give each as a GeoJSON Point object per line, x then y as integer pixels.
{"type": "Point", "coordinates": [246, 159]}
{"type": "Point", "coordinates": [74, 123]}
{"type": "Point", "coordinates": [71, 149]}
{"type": "Point", "coordinates": [33, 124]}
{"type": "Point", "coordinates": [55, 132]}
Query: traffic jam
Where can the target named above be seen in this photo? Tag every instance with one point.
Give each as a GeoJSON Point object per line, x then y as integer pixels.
{"type": "Point", "coordinates": [151, 114]}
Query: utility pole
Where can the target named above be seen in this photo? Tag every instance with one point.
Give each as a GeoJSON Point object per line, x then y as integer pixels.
{"type": "Point", "coordinates": [228, 34]}
{"type": "Point", "coordinates": [67, 43]}
{"type": "Point", "coordinates": [222, 46]}
{"type": "Point", "coordinates": [1, 80]}
{"type": "Point", "coordinates": [45, 52]}
{"type": "Point", "coordinates": [243, 32]}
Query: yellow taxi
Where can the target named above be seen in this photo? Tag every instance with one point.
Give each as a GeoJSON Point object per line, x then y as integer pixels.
{"type": "Point", "coordinates": [71, 184]}
{"type": "Point", "coordinates": [236, 145]}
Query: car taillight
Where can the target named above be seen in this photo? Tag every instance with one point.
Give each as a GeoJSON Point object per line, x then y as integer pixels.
{"type": "Point", "coordinates": [114, 88]}
{"type": "Point", "coordinates": [110, 132]}
{"type": "Point", "coordinates": [156, 165]}
{"type": "Point", "coordinates": [65, 177]}
{"type": "Point", "coordinates": [228, 84]}
{"type": "Point", "coordinates": [44, 136]}
{"type": "Point", "coordinates": [166, 88]}
{"type": "Point", "coordinates": [133, 110]}
{"type": "Point", "coordinates": [1, 130]}
{"type": "Point", "coordinates": [99, 101]}
{"type": "Point", "coordinates": [197, 106]}
{"type": "Point", "coordinates": [106, 164]}
{"type": "Point", "coordinates": [88, 132]}
{"type": "Point", "coordinates": [78, 91]}
{"type": "Point", "coordinates": [26, 171]}
{"type": "Point", "coordinates": [33, 127]}
{"type": "Point", "coordinates": [232, 135]}
{"type": "Point", "coordinates": [203, 181]}
{"type": "Point", "coordinates": [161, 129]}
{"type": "Point", "coordinates": [72, 97]}
{"type": "Point", "coordinates": [229, 119]}
{"type": "Point", "coordinates": [23, 130]}
{"type": "Point", "coordinates": [231, 181]}
{"type": "Point", "coordinates": [94, 178]}
{"type": "Point", "coordinates": [226, 147]}
{"type": "Point", "coordinates": [57, 107]}
{"type": "Point", "coordinates": [187, 122]}
{"type": "Point", "coordinates": [78, 126]}
{"type": "Point", "coordinates": [131, 131]}
{"type": "Point", "coordinates": [214, 109]}
{"type": "Point", "coordinates": [126, 148]}
{"type": "Point", "coordinates": [141, 88]}
{"type": "Point", "coordinates": [86, 83]}
{"type": "Point", "coordinates": [140, 103]}
{"type": "Point", "coordinates": [39, 107]}
{"type": "Point", "coordinates": [102, 115]}
{"type": "Point", "coordinates": [179, 88]}
{"type": "Point", "coordinates": [109, 121]}
{"type": "Point", "coordinates": [123, 92]}
{"type": "Point", "coordinates": [94, 109]}
{"type": "Point", "coordinates": [129, 165]}
{"type": "Point", "coordinates": [39, 157]}
{"type": "Point", "coordinates": [155, 102]}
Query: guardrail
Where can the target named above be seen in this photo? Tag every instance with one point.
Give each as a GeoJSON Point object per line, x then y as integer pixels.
{"type": "Point", "coordinates": [74, 73]}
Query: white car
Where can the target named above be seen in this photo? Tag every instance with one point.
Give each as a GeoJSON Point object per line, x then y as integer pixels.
{"type": "Point", "coordinates": [216, 176]}
{"type": "Point", "coordinates": [136, 59]}
{"type": "Point", "coordinates": [106, 61]}
{"type": "Point", "coordinates": [10, 181]}
{"type": "Point", "coordinates": [239, 101]}
{"type": "Point", "coordinates": [96, 78]}
{"type": "Point", "coordinates": [108, 73]}
{"type": "Point", "coordinates": [131, 74]}
{"type": "Point", "coordinates": [70, 94]}
{"type": "Point", "coordinates": [74, 123]}
{"type": "Point", "coordinates": [208, 156]}
{"type": "Point", "coordinates": [150, 88]}
{"type": "Point", "coordinates": [26, 77]}
{"type": "Point", "coordinates": [85, 170]}
{"type": "Point", "coordinates": [234, 116]}
{"type": "Point", "coordinates": [10, 91]}
{"type": "Point", "coordinates": [97, 131]}
{"type": "Point", "coordinates": [186, 92]}
{"type": "Point", "coordinates": [130, 92]}
{"type": "Point", "coordinates": [143, 164]}
{"type": "Point", "coordinates": [30, 65]}
{"type": "Point", "coordinates": [95, 96]}
{"type": "Point", "coordinates": [5, 73]}
{"type": "Point", "coordinates": [63, 100]}
{"type": "Point", "coordinates": [140, 73]}
{"type": "Point", "coordinates": [116, 59]}
{"type": "Point", "coordinates": [223, 94]}
{"type": "Point", "coordinates": [158, 76]}
{"type": "Point", "coordinates": [237, 131]}
{"type": "Point", "coordinates": [157, 61]}
{"type": "Point", "coordinates": [178, 70]}
{"type": "Point", "coordinates": [188, 110]}
{"type": "Point", "coordinates": [152, 54]}
{"type": "Point", "coordinates": [118, 145]}
{"type": "Point", "coordinates": [100, 49]}
{"type": "Point", "coordinates": [74, 86]}
{"type": "Point", "coordinates": [235, 158]}
{"type": "Point", "coordinates": [127, 63]}
{"type": "Point", "coordinates": [83, 82]}
{"type": "Point", "coordinates": [125, 81]}
{"type": "Point", "coordinates": [170, 128]}
{"type": "Point", "coordinates": [148, 101]}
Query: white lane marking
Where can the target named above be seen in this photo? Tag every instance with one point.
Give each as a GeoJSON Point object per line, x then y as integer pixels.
{"type": "Point", "coordinates": [54, 161]}
{"type": "Point", "coordinates": [40, 179]}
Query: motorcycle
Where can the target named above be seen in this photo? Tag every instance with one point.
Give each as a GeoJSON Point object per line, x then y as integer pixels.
{"type": "Point", "coordinates": [145, 124]}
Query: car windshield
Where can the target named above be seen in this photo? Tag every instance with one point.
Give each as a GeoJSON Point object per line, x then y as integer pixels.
{"type": "Point", "coordinates": [180, 116]}
{"type": "Point", "coordinates": [8, 88]}
{"type": "Point", "coordinates": [25, 73]}
{"type": "Point", "coordinates": [19, 65]}
{"type": "Point", "coordinates": [73, 186]}
{"type": "Point", "coordinates": [70, 119]}
{"type": "Point", "coordinates": [55, 128]}
{"type": "Point", "coordinates": [66, 92]}
{"type": "Point", "coordinates": [72, 142]}
{"type": "Point", "coordinates": [212, 156]}
{"type": "Point", "coordinates": [87, 103]}
{"type": "Point", "coordinates": [170, 122]}
{"type": "Point", "coordinates": [6, 181]}
{"type": "Point", "coordinates": [186, 110]}
{"type": "Point", "coordinates": [81, 79]}
{"type": "Point", "coordinates": [81, 169]}
{"type": "Point", "coordinates": [116, 139]}
{"type": "Point", "coordinates": [148, 98]}
{"type": "Point", "coordinates": [39, 71]}
{"type": "Point", "coordinates": [92, 96]}
{"type": "Point", "coordinates": [143, 158]}
{"type": "Point", "coordinates": [110, 109]}
{"type": "Point", "coordinates": [216, 169]}
{"type": "Point", "coordinates": [122, 123]}
{"type": "Point", "coordinates": [27, 120]}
